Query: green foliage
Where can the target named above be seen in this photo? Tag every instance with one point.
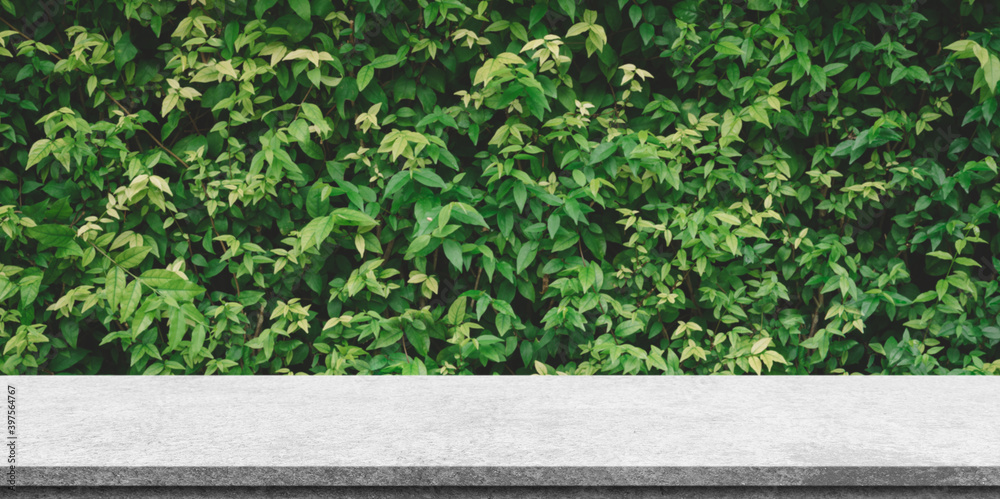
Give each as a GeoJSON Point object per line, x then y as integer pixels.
{"type": "Point", "coordinates": [389, 187]}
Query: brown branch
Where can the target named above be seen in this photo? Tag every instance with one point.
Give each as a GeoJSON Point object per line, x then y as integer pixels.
{"type": "Point", "coordinates": [300, 104]}
{"type": "Point", "coordinates": [815, 316]}
{"type": "Point", "coordinates": [260, 320]}
{"type": "Point", "coordinates": [195, 125]}
{"type": "Point", "coordinates": [388, 248]}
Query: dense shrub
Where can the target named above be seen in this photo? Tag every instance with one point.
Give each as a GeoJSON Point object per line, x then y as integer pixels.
{"type": "Point", "coordinates": [495, 187]}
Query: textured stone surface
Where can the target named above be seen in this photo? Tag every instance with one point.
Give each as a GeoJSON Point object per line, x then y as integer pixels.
{"type": "Point", "coordinates": [620, 476]}
{"type": "Point", "coordinates": [600, 430]}
{"type": "Point", "coordinates": [510, 492]}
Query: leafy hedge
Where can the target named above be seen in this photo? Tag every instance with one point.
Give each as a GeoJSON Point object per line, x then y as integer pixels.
{"type": "Point", "coordinates": [496, 187]}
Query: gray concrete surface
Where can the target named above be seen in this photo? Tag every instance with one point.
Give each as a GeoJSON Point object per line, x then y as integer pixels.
{"type": "Point", "coordinates": [490, 476]}
{"type": "Point", "coordinates": [510, 492]}
{"type": "Point", "coordinates": [507, 431]}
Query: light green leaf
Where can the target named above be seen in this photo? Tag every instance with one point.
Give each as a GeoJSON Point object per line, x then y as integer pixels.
{"type": "Point", "coordinates": [727, 218]}
{"type": "Point", "coordinates": [132, 256]}
{"type": "Point", "coordinates": [727, 48]}
{"type": "Point", "coordinates": [176, 327]}
{"type": "Point", "coordinates": [316, 231]}
{"type": "Point", "coordinates": [197, 341]}
{"type": "Point", "coordinates": [180, 290]}
{"type": "Point", "coordinates": [991, 72]}
{"type": "Point", "coordinates": [940, 254]}
{"type": "Point", "coordinates": [38, 151]}
{"type": "Point", "coordinates": [760, 345]}
{"type": "Point", "coordinates": [967, 262]}
{"type": "Point", "coordinates": [132, 296]}
{"type": "Point", "coordinates": [169, 284]}
{"type": "Point", "coordinates": [346, 216]}
{"type": "Point", "coordinates": [365, 75]}
{"type": "Point", "coordinates": [29, 284]}
{"type": "Point", "coordinates": [456, 313]}
{"type": "Point", "coordinates": [114, 286]}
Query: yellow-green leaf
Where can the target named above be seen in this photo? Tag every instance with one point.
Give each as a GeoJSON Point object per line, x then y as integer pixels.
{"type": "Point", "coordinates": [727, 218]}
{"type": "Point", "coordinates": [760, 345]}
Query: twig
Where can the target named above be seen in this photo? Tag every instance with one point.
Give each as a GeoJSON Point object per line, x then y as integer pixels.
{"type": "Point", "coordinates": [260, 320]}
{"type": "Point", "coordinates": [815, 317]}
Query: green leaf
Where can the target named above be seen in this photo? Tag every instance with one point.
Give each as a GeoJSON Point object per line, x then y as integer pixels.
{"type": "Point", "coordinates": [466, 214]}
{"type": "Point", "coordinates": [398, 181]}
{"type": "Point", "coordinates": [587, 278]}
{"type": "Point", "coordinates": [385, 61]}
{"type": "Point", "coordinates": [66, 359]}
{"type": "Point", "coordinates": [628, 328]}
{"type": "Point", "coordinates": [70, 331]}
{"type": "Point", "coordinates": [603, 151]}
{"type": "Point", "coordinates": [132, 256]}
{"type": "Point", "coordinates": [52, 235]}
{"type": "Point", "coordinates": [527, 352]}
{"type": "Point", "coordinates": [29, 284]}
{"type": "Point", "coordinates": [764, 5]}
{"type": "Point", "coordinates": [301, 7]}
{"type": "Point", "coordinates": [39, 150]}
{"type": "Point", "coordinates": [429, 178]}
{"type": "Point", "coordinates": [940, 254]}
{"type": "Point", "coordinates": [133, 294]}
{"type": "Point", "coordinates": [418, 243]}
{"type": "Point", "coordinates": [456, 313]}
{"type": "Point", "coordinates": [420, 339]}
{"type": "Point", "coordinates": [169, 284]}
{"type": "Point", "coordinates": [260, 6]}
{"type": "Point", "coordinates": [635, 15]}
{"type": "Point", "coordinates": [760, 345]}
{"type": "Point", "coordinates": [569, 7]}
{"type": "Point", "coordinates": [346, 216]}
{"type": "Point", "coordinates": [385, 339]}
{"type": "Point", "coordinates": [365, 75]}
{"type": "Point", "coordinates": [124, 50]}
{"type": "Point", "coordinates": [526, 255]}
{"type": "Point", "coordinates": [537, 13]}
{"type": "Point", "coordinates": [758, 113]}
{"type": "Point", "coordinates": [7, 288]}
{"type": "Point", "coordinates": [572, 208]}
{"type": "Point", "coordinates": [197, 340]}
{"type": "Point", "coordinates": [453, 251]}
{"type": "Point", "coordinates": [844, 148]}
{"type": "Point", "coordinates": [114, 286]}
{"type": "Point", "coordinates": [991, 72]}
{"type": "Point", "coordinates": [727, 48]}
{"type": "Point", "coordinates": [316, 231]}
{"type": "Point", "coordinates": [646, 31]}
{"type": "Point", "coordinates": [727, 218]}
{"type": "Point", "coordinates": [553, 225]}
{"type": "Point", "coordinates": [750, 231]}
{"type": "Point", "coordinates": [176, 328]}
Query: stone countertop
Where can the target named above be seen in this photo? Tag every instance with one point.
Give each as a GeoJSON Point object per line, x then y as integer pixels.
{"type": "Point", "coordinates": [507, 431]}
